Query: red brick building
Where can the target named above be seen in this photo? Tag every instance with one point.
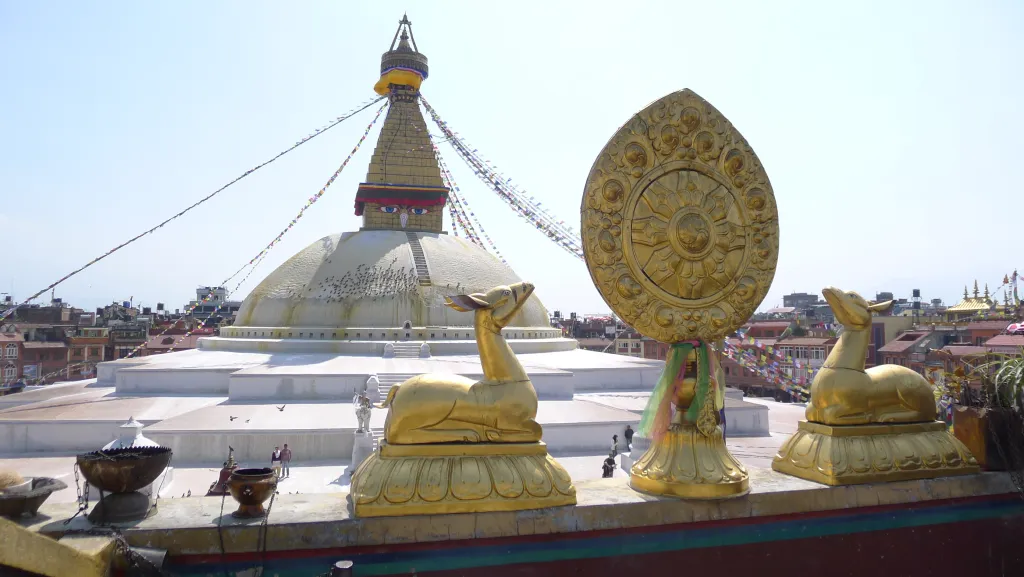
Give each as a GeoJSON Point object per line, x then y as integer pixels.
{"type": "Point", "coordinates": [87, 347]}
{"type": "Point", "coordinates": [907, 350]}
{"type": "Point", "coordinates": [11, 356]}
{"type": "Point", "coordinates": [801, 356]}
{"type": "Point", "coordinates": [979, 332]}
{"type": "Point", "coordinates": [47, 360]}
{"type": "Point", "coordinates": [767, 329]}
{"type": "Point", "coordinates": [1006, 344]}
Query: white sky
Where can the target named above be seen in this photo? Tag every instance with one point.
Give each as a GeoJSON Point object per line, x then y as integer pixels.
{"type": "Point", "coordinates": [888, 129]}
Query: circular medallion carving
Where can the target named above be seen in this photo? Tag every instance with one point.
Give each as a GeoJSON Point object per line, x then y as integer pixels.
{"type": "Point", "coordinates": [694, 244]}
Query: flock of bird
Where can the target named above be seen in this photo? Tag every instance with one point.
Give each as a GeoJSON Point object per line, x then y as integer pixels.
{"type": "Point", "coordinates": [378, 282]}
{"type": "Point", "coordinates": [232, 417]}
{"type": "Point", "coordinates": [374, 282]}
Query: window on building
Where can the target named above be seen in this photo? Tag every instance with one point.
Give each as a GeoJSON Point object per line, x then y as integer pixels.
{"type": "Point", "coordinates": [12, 351]}
{"type": "Point", "coordinates": [10, 371]}
{"type": "Point", "coordinates": [96, 352]}
{"type": "Point", "coordinates": [77, 352]}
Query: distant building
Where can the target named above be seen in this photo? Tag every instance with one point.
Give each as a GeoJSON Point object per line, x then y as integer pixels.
{"type": "Point", "coordinates": [601, 345]}
{"type": "Point", "coordinates": [45, 361]}
{"type": "Point", "coordinates": [124, 338]}
{"type": "Point", "coordinates": [157, 345]}
{"type": "Point", "coordinates": [11, 354]}
{"type": "Point", "coordinates": [217, 307]}
{"type": "Point", "coordinates": [910, 349]}
{"type": "Point", "coordinates": [979, 332]}
{"type": "Point", "coordinates": [767, 329]}
{"type": "Point", "coordinates": [970, 306]}
{"type": "Point", "coordinates": [1006, 344]}
{"type": "Point", "coordinates": [87, 347]}
{"type": "Point", "coordinates": [802, 356]}
{"type": "Point", "coordinates": [800, 301]}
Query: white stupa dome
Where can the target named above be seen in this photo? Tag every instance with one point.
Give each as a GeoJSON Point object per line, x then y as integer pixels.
{"type": "Point", "coordinates": [380, 279]}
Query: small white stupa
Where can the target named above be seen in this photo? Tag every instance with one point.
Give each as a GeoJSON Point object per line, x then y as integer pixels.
{"type": "Point", "coordinates": [130, 435]}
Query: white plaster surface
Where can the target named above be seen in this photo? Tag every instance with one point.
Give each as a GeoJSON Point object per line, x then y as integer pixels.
{"type": "Point", "coordinates": [285, 297]}
{"type": "Point", "coordinates": [743, 419]}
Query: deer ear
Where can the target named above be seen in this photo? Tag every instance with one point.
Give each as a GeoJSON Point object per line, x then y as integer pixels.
{"type": "Point", "coordinates": [466, 303]}
{"type": "Point", "coordinates": [880, 307]}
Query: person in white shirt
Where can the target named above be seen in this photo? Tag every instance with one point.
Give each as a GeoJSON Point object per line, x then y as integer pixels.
{"type": "Point", "coordinates": [275, 461]}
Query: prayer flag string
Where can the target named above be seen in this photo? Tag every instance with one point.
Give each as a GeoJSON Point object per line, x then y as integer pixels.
{"type": "Point", "coordinates": [525, 207]}
{"type": "Point", "coordinates": [309, 137]}
{"type": "Point", "coordinates": [256, 259]}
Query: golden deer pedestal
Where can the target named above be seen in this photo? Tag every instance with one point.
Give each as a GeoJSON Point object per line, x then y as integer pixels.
{"type": "Point", "coordinates": [685, 463]}
{"type": "Point", "coordinates": [454, 445]}
{"type": "Point", "coordinates": [869, 425]}
{"type": "Point", "coordinates": [459, 478]}
{"type": "Point", "coordinates": [854, 454]}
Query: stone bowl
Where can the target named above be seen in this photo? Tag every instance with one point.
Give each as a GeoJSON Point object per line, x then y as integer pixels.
{"type": "Point", "coordinates": [124, 470]}
{"type": "Point", "coordinates": [14, 505]}
{"type": "Point", "coordinates": [251, 488]}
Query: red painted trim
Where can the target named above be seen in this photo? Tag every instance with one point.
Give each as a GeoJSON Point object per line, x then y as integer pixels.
{"type": "Point", "coordinates": [419, 188]}
{"type": "Point", "coordinates": [497, 541]}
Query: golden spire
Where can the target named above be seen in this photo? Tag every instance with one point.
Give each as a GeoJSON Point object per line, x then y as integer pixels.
{"type": "Point", "coordinates": [965, 293]}
{"type": "Point", "coordinates": [986, 291]}
{"type": "Point", "coordinates": [975, 288]}
{"type": "Point", "coordinates": [403, 188]}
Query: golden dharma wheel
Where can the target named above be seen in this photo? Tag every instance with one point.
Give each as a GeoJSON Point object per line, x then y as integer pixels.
{"type": "Point", "coordinates": [679, 223]}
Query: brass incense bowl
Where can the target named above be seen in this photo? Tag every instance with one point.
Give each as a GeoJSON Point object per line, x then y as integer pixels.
{"type": "Point", "coordinates": [119, 474]}
{"type": "Point", "coordinates": [15, 505]}
{"type": "Point", "coordinates": [251, 488]}
{"type": "Point", "coordinates": [124, 470]}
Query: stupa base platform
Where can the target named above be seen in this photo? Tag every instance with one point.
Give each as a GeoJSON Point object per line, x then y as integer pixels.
{"type": "Point", "coordinates": [684, 463]}
{"type": "Point", "coordinates": [855, 454]}
{"type": "Point", "coordinates": [438, 479]}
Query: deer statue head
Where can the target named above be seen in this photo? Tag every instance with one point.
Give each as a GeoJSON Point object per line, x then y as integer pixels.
{"type": "Point", "coordinates": [851, 309]}
{"type": "Point", "coordinates": [503, 302]}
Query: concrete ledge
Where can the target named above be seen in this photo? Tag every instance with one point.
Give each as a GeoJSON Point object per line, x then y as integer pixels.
{"type": "Point", "coordinates": [309, 522]}
{"type": "Point", "coordinates": [440, 346]}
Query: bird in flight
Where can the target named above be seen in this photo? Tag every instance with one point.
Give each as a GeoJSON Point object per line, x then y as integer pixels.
{"type": "Point", "coordinates": [281, 408]}
{"type": "Point", "coordinates": [232, 418]}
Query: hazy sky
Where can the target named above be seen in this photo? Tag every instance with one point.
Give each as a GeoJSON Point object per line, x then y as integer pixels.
{"type": "Point", "coordinates": [890, 130]}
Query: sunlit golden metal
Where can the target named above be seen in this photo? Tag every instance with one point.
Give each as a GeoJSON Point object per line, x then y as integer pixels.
{"type": "Point", "coordinates": [869, 425]}
{"type": "Point", "coordinates": [454, 445]}
{"type": "Point", "coordinates": [448, 408]}
{"type": "Point", "coordinates": [691, 459]}
{"type": "Point", "coordinates": [679, 223]}
{"type": "Point", "coordinates": [37, 554]}
{"type": "Point", "coordinates": [844, 393]}
{"type": "Point", "coordinates": [681, 237]}
{"type": "Point", "coordinates": [853, 454]}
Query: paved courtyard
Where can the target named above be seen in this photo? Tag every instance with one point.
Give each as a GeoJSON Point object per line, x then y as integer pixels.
{"type": "Point", "coordinates": [326, 477]}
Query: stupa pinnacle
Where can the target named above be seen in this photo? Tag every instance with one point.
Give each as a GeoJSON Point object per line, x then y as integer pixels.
{"type": "Point", "coordinates": [403, 188]}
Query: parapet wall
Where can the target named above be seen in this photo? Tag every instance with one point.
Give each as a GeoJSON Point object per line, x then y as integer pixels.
{"type": "Point", "coordinates": [902, 528]}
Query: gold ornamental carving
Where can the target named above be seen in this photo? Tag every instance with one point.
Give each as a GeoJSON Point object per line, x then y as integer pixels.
{"type": "Point", "coordinates": [679, 223]}
{"type": "Point", "coordinates": [455, 445]}
{"type": "Point", "coordinates": [869, 425]}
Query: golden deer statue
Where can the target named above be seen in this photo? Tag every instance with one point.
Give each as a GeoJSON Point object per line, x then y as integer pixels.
{"type": "Point", "coordinates": [869, 426]}
{"type": "Point", "coordinates": [455, 445]}
{"type": "Point", "coordinates": [843, 393]}
{"type": "Point", "coordinates": [501, 408]}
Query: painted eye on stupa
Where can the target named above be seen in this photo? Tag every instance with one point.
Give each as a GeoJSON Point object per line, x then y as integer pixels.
{"type": "Point", "coordinates": [419, 211]}
{"type": "Point", "coordinates": [389, 209]}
